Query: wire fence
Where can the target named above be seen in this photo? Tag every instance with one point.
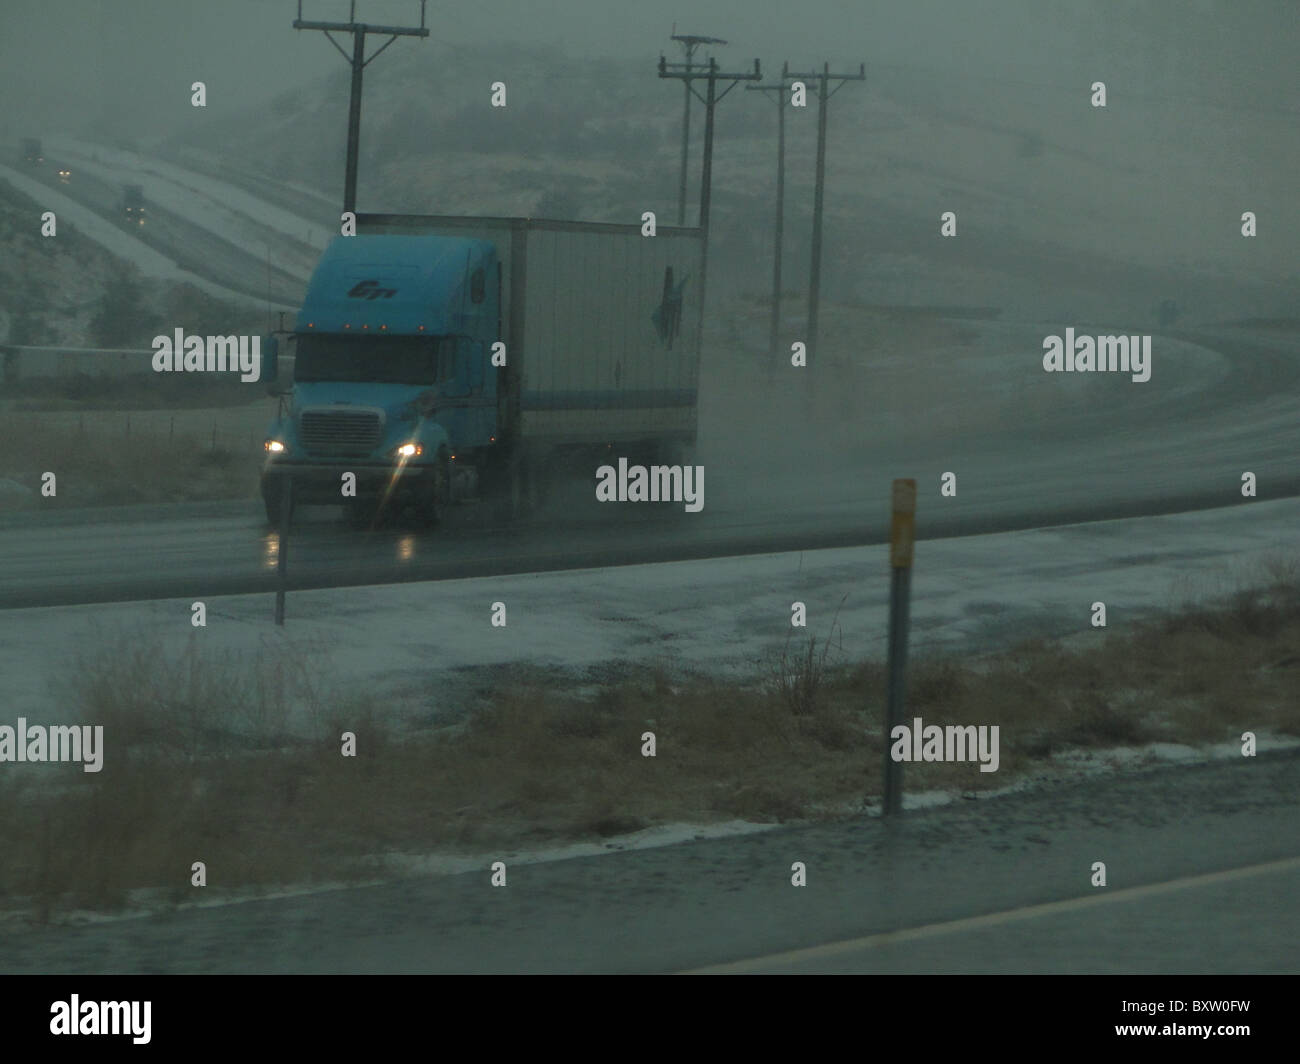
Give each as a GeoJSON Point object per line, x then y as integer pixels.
{"type": "Point", "coordinates": [165, 427]}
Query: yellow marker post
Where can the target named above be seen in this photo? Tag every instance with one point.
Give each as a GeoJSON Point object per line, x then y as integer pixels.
{"type": "Point", "coordinates": [902, 530]}
{"type": "Point", "coordinates": [902, 535]}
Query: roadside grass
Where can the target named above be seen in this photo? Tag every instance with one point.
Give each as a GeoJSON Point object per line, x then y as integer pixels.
{"type": "Point", "coordinates": [237, 762]}
{"type": "Point", "coordinates": [101, 459]}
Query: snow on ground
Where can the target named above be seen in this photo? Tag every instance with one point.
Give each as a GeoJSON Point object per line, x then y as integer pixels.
{"type": "Point", "coordinates": [418, 642]}
{"type": "Point", "coordinates": [430, 647]}
{"type": "Point", "coordinates": [205, 201]}
{"type": "Point", "coordinates": [151, 263]}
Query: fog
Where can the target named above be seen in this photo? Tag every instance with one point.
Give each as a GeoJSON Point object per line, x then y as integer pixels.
{"type": "Point", "coordinates": [124, 67]}
{"type": "Point", "coordinates": [1072, 323]}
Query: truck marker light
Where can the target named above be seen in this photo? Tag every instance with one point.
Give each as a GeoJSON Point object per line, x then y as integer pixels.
{"type": "Point", "coordinates": [421, 328]}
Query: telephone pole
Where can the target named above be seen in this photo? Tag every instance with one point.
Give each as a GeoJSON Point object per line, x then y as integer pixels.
{"type": "Point", "coordinates": [710, 101]}
{"type": "Point", "coordinates": [780, 91]}
{"type": "Point", "coordinates": [823, 97]}
{"type": "Point", "coordinates": [358, 62]}
{"type": "Point", "coordinates": [689, 43]}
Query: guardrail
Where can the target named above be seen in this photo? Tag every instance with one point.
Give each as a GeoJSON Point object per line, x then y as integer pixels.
{"type": "Point", "coordinates": [23, 362]}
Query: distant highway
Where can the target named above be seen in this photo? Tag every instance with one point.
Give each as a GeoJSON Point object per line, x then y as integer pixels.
{"type": "Point", "coordinates": [1149, 448]}
{"type": "Point", "coordinates": [1107, 462]}
{"type": "Point", "coordinates": [194, 248]}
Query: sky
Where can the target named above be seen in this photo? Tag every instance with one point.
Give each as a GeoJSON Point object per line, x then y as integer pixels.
{"type": "Point", "coordinates": [82, 64]}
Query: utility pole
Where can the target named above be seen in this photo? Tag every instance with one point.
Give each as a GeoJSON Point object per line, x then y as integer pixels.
{"type": "Point", "coordinates": [689, 43]}
{"type": "Point", "coordinates": [823, 97]}
{"type": "Point", "coordinates": [358, 61]}
{"type": "Point", "coordinates": [710, 101]}
{"type": "Point", "coordinates": [780, 91]}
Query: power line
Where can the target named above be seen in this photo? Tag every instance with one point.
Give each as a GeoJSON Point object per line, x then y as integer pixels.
{"type": "Point", "coordinates": [712, 76]}
{"type": "Point", "coordinates": [779, 90]}
{"type": "Point", "coordinates": [824, 93]}
{"type": "Point", "coordinates": [689, 43]}
{"type": "Point", "coordinates": [358, 62]}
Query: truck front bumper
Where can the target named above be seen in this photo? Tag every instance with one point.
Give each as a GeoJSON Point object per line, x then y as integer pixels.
{"type": "Point", "coordinates": [318, 482]}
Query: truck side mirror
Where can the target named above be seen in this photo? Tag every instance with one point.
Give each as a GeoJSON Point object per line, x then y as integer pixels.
{"type": "Point", "coordinates": [270, 348]}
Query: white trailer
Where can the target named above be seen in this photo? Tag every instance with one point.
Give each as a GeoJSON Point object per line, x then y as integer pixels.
{"type": "Point", "coordinates": [601, 326]}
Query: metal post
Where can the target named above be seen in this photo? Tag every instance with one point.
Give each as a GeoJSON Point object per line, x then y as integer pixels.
{"type": "Point", "coordinates": [901, 537]}
{"type": "Point", "coordinates": [282, 554]}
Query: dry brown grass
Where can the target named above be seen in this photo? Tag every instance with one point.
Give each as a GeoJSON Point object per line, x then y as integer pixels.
{"type": "Point", "coordinates": [237, 763]}
{"type": "Point", "coordinates": [102, 460]}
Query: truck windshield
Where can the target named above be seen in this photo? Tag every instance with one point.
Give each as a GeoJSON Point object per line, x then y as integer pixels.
{"type": "Point", "coordinates": [392, 359]}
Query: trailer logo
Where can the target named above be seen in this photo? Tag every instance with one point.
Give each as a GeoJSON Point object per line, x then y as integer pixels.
{"type": "Point", "coordinates": [667, 317]}
{"type": "Point", "coordinates": [371, 290]}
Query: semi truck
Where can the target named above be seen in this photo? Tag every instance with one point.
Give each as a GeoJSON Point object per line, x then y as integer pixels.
{"type": "Point", "coordinates": [32, 151]}
{"type": "Point", "coordinates": [133, 202]}
{"type": "Point", "coordinates": [439, 359]}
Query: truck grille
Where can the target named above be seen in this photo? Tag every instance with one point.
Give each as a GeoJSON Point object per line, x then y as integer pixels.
{"type": "Point", "coordinates": [339, 433]}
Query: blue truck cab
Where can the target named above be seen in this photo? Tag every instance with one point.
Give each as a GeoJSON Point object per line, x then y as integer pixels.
{"type": "Point", "coordinates": [391, 378]}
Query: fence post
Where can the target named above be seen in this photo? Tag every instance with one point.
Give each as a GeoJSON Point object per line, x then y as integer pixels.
{"type": "Point", "coordinates": [282, 553]}
{"type": "Point", "coordinates": [902, 532]}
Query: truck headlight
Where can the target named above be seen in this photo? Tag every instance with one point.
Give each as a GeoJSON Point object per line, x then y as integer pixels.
{"type": "Point", "coordinates": [408, 450]}
{"type": "Point", "coordinates": [274, 447]}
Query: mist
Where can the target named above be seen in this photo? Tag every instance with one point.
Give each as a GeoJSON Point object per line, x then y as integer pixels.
{"type": "Point", "coordinates": [125, 68]}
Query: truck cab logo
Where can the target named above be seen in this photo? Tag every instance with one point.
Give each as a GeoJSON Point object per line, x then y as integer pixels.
{"type": "Point", "coordinates": [371, 290]}
{"type": "Point", "coordinates": [667, 317]}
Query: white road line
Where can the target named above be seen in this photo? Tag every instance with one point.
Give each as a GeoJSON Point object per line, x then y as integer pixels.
{"type": "Point", "coordinates": [971, 923]}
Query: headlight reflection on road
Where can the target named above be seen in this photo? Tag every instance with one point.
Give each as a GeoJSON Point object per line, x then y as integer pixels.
{"type": "Point", "coordinates": [405, 548]}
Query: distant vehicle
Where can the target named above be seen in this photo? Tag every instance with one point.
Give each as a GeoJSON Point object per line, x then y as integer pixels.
{"type": "Point", "coordinates": [65, 175]}
{"type": "Point", "coordinates": [32, 151]}
{"type": "Point", "coordinates": [435, 360]}
{"type": "Point", "coordinates": [133, 202]}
